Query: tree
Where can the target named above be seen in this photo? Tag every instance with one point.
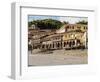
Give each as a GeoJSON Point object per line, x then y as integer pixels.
{"type": "Point", "coordinates": [46, 24]}
{"type": "Point", "coordinates": [64, 22]}
{"type": "Point", "coordinates": [82, 22]}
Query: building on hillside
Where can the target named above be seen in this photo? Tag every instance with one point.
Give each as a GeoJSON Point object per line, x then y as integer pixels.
{"type": "Point", "coordinates": [33, 26]}
{"type": "Point", "coordinates": [67, 37]}
{"type": "Point", "coordinates": [72, 27]}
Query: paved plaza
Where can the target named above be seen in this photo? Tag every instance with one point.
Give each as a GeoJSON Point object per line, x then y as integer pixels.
{"type": "Point", "coordinates": [58, 57]}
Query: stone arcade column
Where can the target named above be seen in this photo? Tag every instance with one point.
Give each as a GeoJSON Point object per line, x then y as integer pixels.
{"type": "Point", "coordinates": [75, 42]}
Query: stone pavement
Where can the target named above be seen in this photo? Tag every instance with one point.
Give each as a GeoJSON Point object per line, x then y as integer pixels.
{"type": "Point", "coordinates": [58, 57]}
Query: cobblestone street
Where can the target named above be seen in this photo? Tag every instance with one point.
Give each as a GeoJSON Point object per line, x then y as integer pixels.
{"type": "Point", "coordinates": [58, 57]}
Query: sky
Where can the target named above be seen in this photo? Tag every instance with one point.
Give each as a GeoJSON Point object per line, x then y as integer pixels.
{"type": "Point", "coordinates": [70, 19]}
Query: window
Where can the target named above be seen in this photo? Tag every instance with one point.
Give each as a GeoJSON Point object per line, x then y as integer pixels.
{"type": "Point", "coordinates": [68, 27]}
{"type": "Point", "coordinates": [72, 27]}
{"type": "Point", "coordinates": [84, 27]}
{"type": "Point", "coordinates": [64, 44]}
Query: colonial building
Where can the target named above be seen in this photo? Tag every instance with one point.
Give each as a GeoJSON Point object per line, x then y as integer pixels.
{"type": "Point", "coordinates": [72, 27]}
{"type": "Point", "coordinates": [69, 36]}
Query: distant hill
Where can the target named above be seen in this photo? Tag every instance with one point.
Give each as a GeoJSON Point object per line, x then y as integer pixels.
{"type": "Point", "coordinates": [46, 24]}
{"type": "Point", "coordinates": [51, 23]}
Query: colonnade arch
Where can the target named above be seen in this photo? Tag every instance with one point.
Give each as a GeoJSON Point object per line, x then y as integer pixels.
{"type": "Point", "coordinates": [59, 45]}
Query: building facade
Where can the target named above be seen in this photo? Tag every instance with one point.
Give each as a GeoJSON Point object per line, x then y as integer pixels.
{"type": "Point", "coordinates": [69, 36]}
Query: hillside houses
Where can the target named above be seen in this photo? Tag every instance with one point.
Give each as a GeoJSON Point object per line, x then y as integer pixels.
{"type": "Point", "coordinates": [69, 36]}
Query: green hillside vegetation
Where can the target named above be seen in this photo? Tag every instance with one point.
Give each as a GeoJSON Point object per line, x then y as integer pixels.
{"type": "Point", "coordinates": [50, 23]}
{"type": "Point", "coordinates": [82, 22]}
{"type": "Point", "coordinates": [46, 24]}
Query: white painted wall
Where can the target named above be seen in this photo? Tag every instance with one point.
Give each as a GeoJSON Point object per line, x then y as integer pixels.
{"type": "Point", "coordinates": [5, 41]}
